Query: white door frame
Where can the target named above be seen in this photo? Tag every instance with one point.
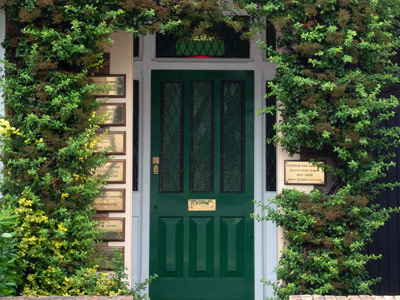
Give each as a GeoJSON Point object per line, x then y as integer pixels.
{"type": "Point", "coordinates": [265, 233]}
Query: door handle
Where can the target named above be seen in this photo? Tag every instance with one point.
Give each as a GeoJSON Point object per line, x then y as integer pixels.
{"type": "Point", "coordinates": [156, 162]}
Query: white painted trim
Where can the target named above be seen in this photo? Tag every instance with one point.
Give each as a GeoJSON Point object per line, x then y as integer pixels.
{"type": "Point", "coordinates": [265, 241]}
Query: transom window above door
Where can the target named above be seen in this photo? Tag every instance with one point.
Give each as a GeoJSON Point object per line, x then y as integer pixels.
{"type": "Point", "coordinates": [218, 41]}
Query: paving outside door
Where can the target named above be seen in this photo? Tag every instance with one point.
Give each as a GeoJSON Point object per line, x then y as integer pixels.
{"type": "Point", "coordinates": [202, 150]}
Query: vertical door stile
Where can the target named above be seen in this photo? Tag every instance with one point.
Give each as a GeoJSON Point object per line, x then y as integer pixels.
{"type": "Point", "coordinates": [186, 155]}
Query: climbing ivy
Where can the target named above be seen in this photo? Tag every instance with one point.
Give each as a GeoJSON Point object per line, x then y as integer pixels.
{"type": "Point", "coordinates": [332, 65]}
{"type": "Point", "coordinates": [49, 178]}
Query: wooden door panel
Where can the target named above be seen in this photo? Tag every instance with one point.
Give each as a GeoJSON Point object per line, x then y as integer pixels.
{"type": "Point", "coordinates": [233, 247]}
{"type": "Point", "coordinates": [170, 247]}
{"type": "Point", "coordinates": [202, 132]}
{"type": "Point", "coordinates": [201, 243]}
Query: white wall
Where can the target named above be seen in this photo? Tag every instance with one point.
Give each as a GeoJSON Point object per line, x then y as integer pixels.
{"type": "Point", "coordinates": [121, 63]}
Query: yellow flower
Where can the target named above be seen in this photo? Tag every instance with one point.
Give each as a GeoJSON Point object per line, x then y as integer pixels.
{"type": "Point", "coordinates": [64, 195]}
{"type": "Point", "coordinates": [62, 228]}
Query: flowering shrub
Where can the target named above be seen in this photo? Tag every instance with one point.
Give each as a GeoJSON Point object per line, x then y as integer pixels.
{"type": "Point", "coordinates": [49, 164]}
{"type": "Point", "coordinates": [333, 64]}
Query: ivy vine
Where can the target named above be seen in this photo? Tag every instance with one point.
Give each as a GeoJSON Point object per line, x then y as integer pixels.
{"type": "Point", "coordinates": [333, 63]}
{"type": "Point", "coordinates": [51, 46]}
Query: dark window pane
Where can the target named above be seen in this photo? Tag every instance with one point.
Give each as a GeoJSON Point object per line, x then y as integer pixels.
{"type": "Point", "coordinates": [270, 152]}
{"type": "Point", "coordinates": [136, 46]}
{"type": "Point", "coordinates": [232, 136]}
{"type": "Point", "coordinates": [201, 144]}
{"type": "Point", "coordinates": [135, 150]}
{"type": "Point", "coordinates": [171, 140]}
{"type": "Point", "coordinates": [217, 41]}
{"type": "Point", "coordinates": [270, 36]}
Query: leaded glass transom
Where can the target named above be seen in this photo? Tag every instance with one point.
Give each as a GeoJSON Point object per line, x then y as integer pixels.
{"type": "Point", "coordinates": [232, 136]}
{"type": "Point", "coordinates": [202, 128]}
{"type": "Point", "coordinates": [171, 139]}
{"type": "Point", "coordinates": [217, 41]}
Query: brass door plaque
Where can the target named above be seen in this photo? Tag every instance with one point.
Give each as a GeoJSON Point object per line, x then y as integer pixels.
{"type": "Point", "coordinates": [110, 200]}
{"type": "Point", "coordinates": [116, 114]}
{"type": "Point", "coordinates": [111, 229]}
{"type": "Point", "coordinates": [303, 172]}
{"type": "Point", "coordinates": [114, 170]}
{"type": "Point", "coordinates": [114, 141]}
{"type": "Point", "coordinates": [202, 204]}
{"type": "Point", "coordinates": [115, 86]}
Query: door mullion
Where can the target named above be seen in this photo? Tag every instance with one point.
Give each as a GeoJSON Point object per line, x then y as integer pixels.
{"type": "Point", "coordinates": [217, 137]}
{"type": "Point", "coordinates": [217, 176]}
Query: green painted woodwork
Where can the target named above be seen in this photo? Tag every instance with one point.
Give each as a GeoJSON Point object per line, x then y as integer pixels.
{"type": "Point", "coordinates": [202, 130]}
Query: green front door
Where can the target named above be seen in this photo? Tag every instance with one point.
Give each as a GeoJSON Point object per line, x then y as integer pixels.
{"type": "Point", "coordinates": [202, 236]}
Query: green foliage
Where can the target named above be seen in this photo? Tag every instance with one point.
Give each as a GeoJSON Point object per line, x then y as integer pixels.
{"type": "Point", "coordinates": [9, 276]}
{"type": "Point", "coordinates": [50, 156]}
{"type": "Point", "coordinates": [326, 236]}
{"type": "Point", "coordinates": [90, 282]}
{"type": "Point", "coordinates": [333, 63]}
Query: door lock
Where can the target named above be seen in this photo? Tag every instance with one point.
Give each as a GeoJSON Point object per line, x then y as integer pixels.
{"type": "Point", "coordinates": [156, 162]}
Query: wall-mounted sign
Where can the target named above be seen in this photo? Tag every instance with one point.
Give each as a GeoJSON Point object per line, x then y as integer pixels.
{"type": "Point", "coordinates": [104, 256]}
{"type": "Point", "coordinates": [202, 204]}
{"type": "Point", "coordinates": [114, 141]}
{"type": "Point", "coordinates": [115, 86]}
{"type": "Point", "coordinates": [112, 229]}
{"type": "Point", "coordinates": [116, 114]}
{"type": "Point", "coordinates": [303, 172]}
{"type": "Point", "coordinates": [114, 170]}
{"type": "Point", "coordinates": [110, 200]}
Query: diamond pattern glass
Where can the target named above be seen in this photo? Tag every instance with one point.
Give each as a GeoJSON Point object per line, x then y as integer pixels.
{"type": "Point", "coordinates": [202, 119]}
{"type": "Point", "coordinates": [220, 40]}
{"type": "Point", "coordinates": [270, 148]}
{"type": "Point", "coordinates": [171, 137]}
{"type": "Point", "coordinates": [232, 136]}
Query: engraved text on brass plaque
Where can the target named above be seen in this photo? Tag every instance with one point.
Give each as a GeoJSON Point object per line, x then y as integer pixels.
{"type": "Point", "coordinates": [303, 172]}
{"type": "Point", "coordinates": [110, 200]}
{"type": "Point", "coordinates": [115, 113]}
{"type": "Point", "coordinates": [114, 85]}
{"type": "Point", "coordinates": [114, 141]}
{"type": "Point", "coordinates": [112, 229]}
{"type": "Point", "coordinates": [114, 170]}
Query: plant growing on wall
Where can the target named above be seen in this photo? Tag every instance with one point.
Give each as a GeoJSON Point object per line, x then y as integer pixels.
{"type": "Point", "coordinates": [49, 168]}
{"type": "Point", "coordinates": [333, 64]}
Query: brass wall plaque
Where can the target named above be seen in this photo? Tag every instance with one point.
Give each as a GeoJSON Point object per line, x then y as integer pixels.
{"type": "Point", "coordinates": [115, 86]}
{"type": "Point", "coordinates": [112, 229]}
{"type": "Point", "coordinates": [303, 172]}
{"type": "Point", "coordinates": [114, 141]}
{"type": "Point", "coordinates": [202, 204]}
{"type": "Point", "coordinates": [110, 200]}
{"type": "Point", "coordinates": [116, 114]}
{"type": "Point", "coordinates": [104, 256]}
{"type": "Point", "coordinates": [114, 170]}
